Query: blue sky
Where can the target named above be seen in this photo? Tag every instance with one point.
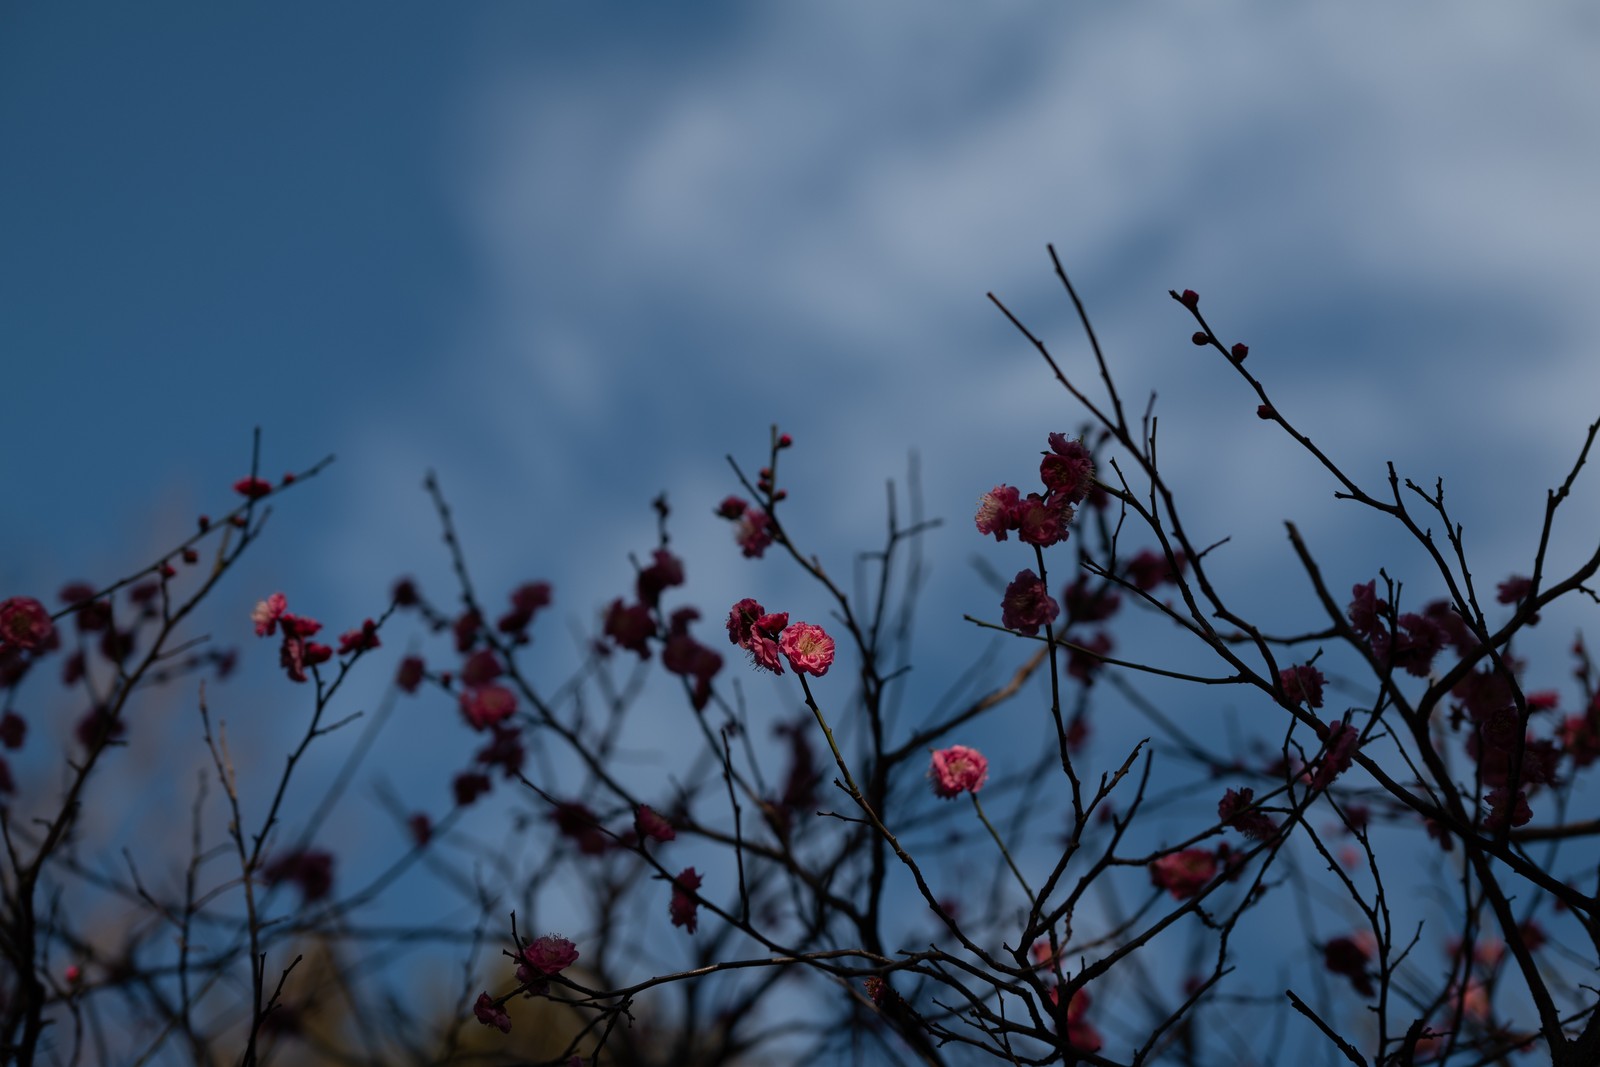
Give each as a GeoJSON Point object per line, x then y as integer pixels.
{"type": "Point", "coordinates": [569, 256]}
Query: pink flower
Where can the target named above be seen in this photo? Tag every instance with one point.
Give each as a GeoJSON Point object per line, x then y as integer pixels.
{"type": "Point", "coordinates": [957, 769]}
{"type": "Point", "coordinates": [468, 786]}
{"type": "Point", "coordinates": [491, 1014]}
{"type": "Point", "coordinates": [996, 511]}
{"type": "Point", "coordinates": [25, 623]}
{"type": "Point", "coordinates": [1150, 568]}
{"type": "Point", "coordinates": [1081, 1034]}
{"type": "Point", "coordinates": [13, 730]}
{"type": "Point", "coordinates": [410, 674]}
{"type": "Point", "coordinates": [666, 571]}
{"type": "Point", "coordinates": [252, 488]}
{"type": "Point", "coordinates": [1183, 874]}
{"type": "Point", "coordinates": [1027, 605]}
{"type": "Point", "coordinates": [576, 821]}
{"type": "Point", "coordinates": [630, 626]}
{"type": "Point", "coordinates": [481, 668]}
{"type": "Point", "coordinates": [550, 954]}
{"type": "Point", "coordinates": [1341, 743]}
{"type": "Point", "coordinates": [1302, 684]}
{"type": "Point", "coordinates": [759, 635]}
{"type": "Point", "coordinates": [1043, 522]}
{"type": "Point", "coordinates": [649, 824]}
{"type": "Point", "coordinates": [487, 705]}
{"type": "Point", "coordinates": [1234, 810]}
{"type": "Point", "coordinates": [1349, 956]}
{"type": "Point", "coordinates": [753, 533]}
{"type": "Point", "coordinates": [808, 648]}
{"type": "Point", "coordinates": [267, 612]}
{"type": "Point", "coordinates": [359, 640]}
{"type": "Point", "coordinates": [310, 869]}
{"type": "Point", "coordinates": [1067, 470]}
{"type": "Point", "coordinates": [683, 906]}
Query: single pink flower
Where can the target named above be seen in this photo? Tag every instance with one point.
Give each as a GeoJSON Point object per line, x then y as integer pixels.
{"type": "Point", "coordinates": [684, 905]}
{"type": "Point", "coordinates": [1183, 874]}
{"type": "Point", "coordinates": [410, 674]}
{"type": "Point", "coordinates": [996, 511]}
{"type": "Point", "coordinates": [252, 488]}
{"type": "Point", "coordinates": [487, 705]}
{"type": "Point", "coordinates": [1027, 605]}
{"type": "Point", "coordinates": [468, 786]}
{"type": "Point", "coordinates": [1342, 740]}
{"type": "Point", "coordinates": [957, 769]}
{"type": "Point", "coordinates": [754, 533]}
{"type": "Point", "coordinates": [665, 572]}
{"type": "Point", "coordinates": [491, 1014]}
{"type": "Point", "coordinates": [1349, 956]}
{"type": "Point", "coordinates": [1067, 470]}
{"type": "Point", "coordinates": [1302, 684]}
{"type": "Point", "coordinates": [550, 954]}
{"type": "Point", "coordinates": [1150, 568]}
{"type": "Point", "coordinates": [481, 668]}
{"type": "Point", "coordinates": [1043, 522]}
{"type": "Point", "coordinates": [650, 824]}
{"type": "Point", "coordinates": [310, 869]}
{"type": "Point", "coordinates": [25, 623]}
{"type": "Point", "coordinates": [630, 626]}
{"type": "Point", "coordinates": [808, 648]}
{"type": "Point", "coordinates": [359, 640]}
{"type": "Point", "coordinates": [1234, 809]}
{"type": "Point", "coordinates": [267, 613]}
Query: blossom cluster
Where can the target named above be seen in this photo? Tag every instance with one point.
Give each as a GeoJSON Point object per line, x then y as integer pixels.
{"type": "Point", "coordinates": [765, 635]}
{"type": "Point", "coordinates": [1067, 472]}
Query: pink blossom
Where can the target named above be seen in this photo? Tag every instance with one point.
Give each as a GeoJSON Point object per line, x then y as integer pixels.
{"type": "Point", "coordinates": [1183, 874]}
{"type": "Point", "coordinates": [957, 769]}
{"type": "Point", "coordinates": [1349, 956]}
{"type": "Point", "coordinates": [650, 824]}
{"type": "Point", "coordinates": [753, 533]}
{"type": "Point", "coordinates": [25, 623]}
{"type": "Point", "coordinates": [481, 668]}
{"type": "Point", "coordinates": [410, 674]}
{"type": "Point", "coordinates": [1302, 684]}
{"type": "Point", "coordinates": [252, 488]}
{"type": "Point", "coordinates": [808, 648]}
{"type": "Point", "coordinates": [1067, 470]}
{"type": "Point", "coordinates": [996, 511]}
{"type": "Point", "coordinates": [491, 1014]}
{"type": "Point", "coordinates": [267, 613]}
{"type": "Point", "coordinates": [630, 626]}
{"type": "Point", "coordinates": [359, 640]}
{"type": "Point", "coordinates": [1342, 740]}
{"type": "Point", "coordinates": [550, 954]}
{"type": "Point", "coordinates": [574, 820]}
{"type": "Point", "coordinates": [468, 786]}
{"type": "Point", "coordinates": [1150, 568]}
{"type": "Point", "coordinates": [310, 869]}
{"type": "Point", "coordinates": [1027, 605]}
{"type": "Point", "coordinates": [1043, 522]}
{"type": "Point", "coordinates": [741, 619]}
{"type": "Point", "coordinates": [13, 730]}
{"type": "Point", "coordinates": [684, 905]}
{"type": "Point", "coordinates": [1234, 810]}
{"type": "Point", "coordinates": [665, 572]}
{"type": "Point", "coordinates": [486, 705]}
